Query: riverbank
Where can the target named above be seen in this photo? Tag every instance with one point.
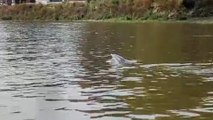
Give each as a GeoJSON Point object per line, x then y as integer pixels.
{"type": "Point", "coordinates": [108, 10]}
{"type": "Point", "coordinates": [203, 20]}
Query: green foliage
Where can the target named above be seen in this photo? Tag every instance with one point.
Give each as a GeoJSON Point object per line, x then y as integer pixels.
{"type": "Point", "coordinates": [6, 17]}
{"type": "Point", "coordinates": [115, 2]}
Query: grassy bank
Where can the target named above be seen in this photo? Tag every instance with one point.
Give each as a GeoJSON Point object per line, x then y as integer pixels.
{"type": "Point", "coordinates": [109, 9]}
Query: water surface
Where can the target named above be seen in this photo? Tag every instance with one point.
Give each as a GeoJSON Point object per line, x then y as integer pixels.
{"type": "Point", "coordinates": [58, 71]}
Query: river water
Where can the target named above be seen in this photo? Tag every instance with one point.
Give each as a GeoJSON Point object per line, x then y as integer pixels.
{"type": "Point", "coordinates": [58, 71]}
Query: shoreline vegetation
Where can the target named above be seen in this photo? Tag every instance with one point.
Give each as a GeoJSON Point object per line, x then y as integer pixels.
{"type": "Point", "coordinates": [113, 10]}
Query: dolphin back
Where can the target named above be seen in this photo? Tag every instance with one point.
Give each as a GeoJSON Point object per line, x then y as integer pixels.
{"type": "Point", "coordinates": [119, 60]}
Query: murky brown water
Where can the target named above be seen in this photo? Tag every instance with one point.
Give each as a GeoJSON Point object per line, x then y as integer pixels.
{"type": "Point", "coordinates": [58, 71]}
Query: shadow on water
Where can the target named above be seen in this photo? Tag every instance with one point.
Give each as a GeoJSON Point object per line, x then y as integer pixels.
{"type": "Point", "coordinates": [59, 71]}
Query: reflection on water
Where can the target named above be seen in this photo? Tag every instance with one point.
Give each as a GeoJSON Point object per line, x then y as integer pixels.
{"type": "Point", "coordinates": [59, 71]}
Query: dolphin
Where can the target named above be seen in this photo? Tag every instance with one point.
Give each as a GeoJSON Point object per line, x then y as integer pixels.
{"type": "Point", "coordinates": [118, 60]}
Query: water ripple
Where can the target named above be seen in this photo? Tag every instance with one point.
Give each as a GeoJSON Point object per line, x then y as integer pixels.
{"type": "Point", "coordinates": [58, 71]}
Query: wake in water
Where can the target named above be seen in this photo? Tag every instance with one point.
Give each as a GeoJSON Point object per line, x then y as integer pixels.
{"type": "Point", "coordinates": [204, 70]}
